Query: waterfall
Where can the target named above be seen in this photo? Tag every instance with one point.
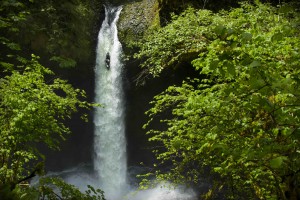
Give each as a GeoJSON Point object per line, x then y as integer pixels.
{"type": "Point", "coordinates": [110, 161]}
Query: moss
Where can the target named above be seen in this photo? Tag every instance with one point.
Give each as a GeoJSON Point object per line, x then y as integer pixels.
{"type": "Point", "coordinates": [136, 19]}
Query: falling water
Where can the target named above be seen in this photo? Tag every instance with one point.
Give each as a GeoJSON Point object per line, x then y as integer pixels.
{"type": "Point", "coordinates": [109, 134]}
{"type": "Point", "coordinates": [110, 163]}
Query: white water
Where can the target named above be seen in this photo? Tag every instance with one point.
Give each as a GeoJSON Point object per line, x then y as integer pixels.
{"type": "Point", "coordinates": [109, 140]}
{"type": "Point", "coordinates": [109, 134]}
{"type": "Point", "coordinates": [163, 192]}
{"type": "Point", "coordinates": [110, 163]}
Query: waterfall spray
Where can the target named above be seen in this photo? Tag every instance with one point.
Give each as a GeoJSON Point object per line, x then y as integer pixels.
{"type": "Point", "coordinates": [109, 134]}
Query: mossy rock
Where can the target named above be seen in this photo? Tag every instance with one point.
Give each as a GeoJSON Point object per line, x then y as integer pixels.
{"type": "Point", "coordinates": [136, 19]}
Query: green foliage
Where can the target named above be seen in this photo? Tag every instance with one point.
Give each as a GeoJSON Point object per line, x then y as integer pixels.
{"type": "Point", "coordinates": [11, 13]}
{"type": "Point", "coordinates": [242, 120]}
{"type": "Point", "coordinates": [53, 188]}
{"type": "Point", "coordinates": [56, 188]}
{"type": "Point", "coordinates": [67, 36]}
{"type": "Point", "coordinates": [180, 40]}
{"type": "Point", "coordinates": [64, 62]}
{"type": "Point", "coordinates": [34, 105]}
{"type": "Point", "coordinates": [54, 29]}
{"type": "Point", "coordinates": [33, 109]}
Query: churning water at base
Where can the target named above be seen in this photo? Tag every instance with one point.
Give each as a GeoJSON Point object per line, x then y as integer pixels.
{"type": "Point", "coordinates": [109, 133]}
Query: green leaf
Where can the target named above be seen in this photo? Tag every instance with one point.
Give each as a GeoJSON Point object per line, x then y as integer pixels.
{"type": "Point", "coordinates": [220, 30]}
{"type": "Point", "coordinates": [246, 61]}
{"type": "Point", "coordinates": [277, 37]}
{"type": "Point", "coordinates": [214, 64]}
{"type": "Point", "coordinates": [7, 65]}
{"type": "Point", "coordinates": [277, 162]}
{"type": "Point", "coordinates": [13, 46]}
{"type": "Point", "coordinates": [231, 69]}
{"type": "Point", "coordinates": [64, 62]}
{"type": "Point", "coordinates": [285, 9]}
{"type": "Point", "coordinates": [246, 36]}
{"type": "Point", "coordinates": [255, 63]}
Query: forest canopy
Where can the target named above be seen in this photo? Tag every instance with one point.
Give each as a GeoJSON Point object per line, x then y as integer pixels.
{"type": "Point", "coordinates": [49, 29]}
{"type": "Point", "coordinates": [240, 118]}
{"type": "Point", "coordinates": [35, 104]}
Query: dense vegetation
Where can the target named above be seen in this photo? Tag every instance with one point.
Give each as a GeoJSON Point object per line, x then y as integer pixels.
{"type": "Point", "coordinates": [240, 119]}
{"type": "Point", "coordinates": [34, 103]}
{"type": "Point", "coordinates": [49, 28]}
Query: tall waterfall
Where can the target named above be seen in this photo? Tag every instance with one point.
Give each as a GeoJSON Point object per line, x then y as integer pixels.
{"type": "Point", "coordinates": [109, 134]}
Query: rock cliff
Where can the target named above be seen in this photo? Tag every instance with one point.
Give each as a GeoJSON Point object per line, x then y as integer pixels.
{"type": "Point", "coordinates": [136, 19]}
